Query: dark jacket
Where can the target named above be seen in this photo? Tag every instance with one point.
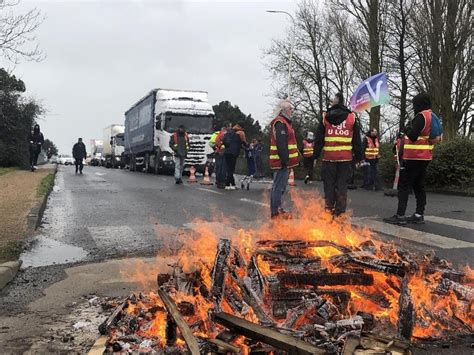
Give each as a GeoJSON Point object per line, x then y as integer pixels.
{"type": "Point", "coordinates": [36, 138]}
{"type": "Point", "coordinates": [281, 136]}
{"type": "Point", "coordinates": [420, 102]}
{"type": "Point", "coordinates": [79, 151]}
{"type": "Point", "coordinates": [234, 140]}
{"type": "Point", "coordinates": [336, 115]}
{"type": "Point", "coordinates": [181, 148]}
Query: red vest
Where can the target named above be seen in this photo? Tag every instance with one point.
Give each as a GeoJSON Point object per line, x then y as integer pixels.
{"type": "Point", "coordinates": [421, 149]}
{"type": "Point", "coordinates": [308, 149]}
{"type": "Point", "coordinates": [293, 153]}
{"type": "Point", "coordinates": [175, 140]}
{"type": "Point", "coordinates": [338, 139]}
{"type": "Point", "coordinates": [372, 150]}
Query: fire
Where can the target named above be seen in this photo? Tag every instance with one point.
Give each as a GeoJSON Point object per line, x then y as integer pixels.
{"type": "Point", "coordinates": [320, 244]}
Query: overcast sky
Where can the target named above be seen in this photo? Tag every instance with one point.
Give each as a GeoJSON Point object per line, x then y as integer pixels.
{"type": "Point", "coordinates": [102, 56]}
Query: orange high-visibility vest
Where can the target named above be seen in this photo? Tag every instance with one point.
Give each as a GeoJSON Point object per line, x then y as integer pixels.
{"type": "Point", "coordinates": [308, 149]}
{"type": "Point", "coordinates": [372, 150]}
{"type": "Point", "coordinates": [293, 153]}
{"type": "Point", "coordinates": [175, 140]}
{"type": "Point", "coordinates": [421, 149]}
{"type": "Point", "coordinates": [338, 139]}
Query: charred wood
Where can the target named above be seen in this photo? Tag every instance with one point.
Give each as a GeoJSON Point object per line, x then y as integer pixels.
{"type": "Point", "coordinates": [325, 279]}
{"type": "Point", "coordinates": [114, 317]}
{"type": "Point", "coordinates": [406, 312]}
{"type": "Point", "coordinates": [219, 269]}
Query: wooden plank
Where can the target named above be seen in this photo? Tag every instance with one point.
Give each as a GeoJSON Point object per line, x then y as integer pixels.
{"type": "Point", "coordinates": [112, 319]}
{"type": "Point", "coordinates": [269, 336]}
{"type": "Point", "coordinates": [325, 279]}
{"type": "Point", "coordinates": [186, 332]}
{"type": "Point", "coordinates": [225, 346]}
{"type": "Point", "coordinates": [99, 346]}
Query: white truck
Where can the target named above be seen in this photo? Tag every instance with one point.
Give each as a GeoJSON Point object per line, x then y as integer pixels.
{"type": "Point", "coordinates": [113, 146]}
{"type": "Point", "coordinates": [96, 152]}
{"type": "Point", "coordinates": [151, 122]}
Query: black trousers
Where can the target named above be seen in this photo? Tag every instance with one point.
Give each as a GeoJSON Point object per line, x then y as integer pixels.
{"type": "Point", "coordinates": [308, 163]}
{"type": "Point", "coordinates": [34, 153]}
{"type": "Point", "coordinates": [79, 164]}
{"type": "Point", "coordinates": [335, 176]}
{"type": "Point", "coordinates": [230, 161]}
{"type": "Point", "coordinates": [412, 177]}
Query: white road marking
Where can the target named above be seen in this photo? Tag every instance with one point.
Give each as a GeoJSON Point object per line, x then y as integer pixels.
{"type": "Point", "coordinates": [208, 190]}
{"type": "Point", "coordinates": [412, 234]}
{"type": "Point", "coordinates": [255, 202]}
{"type": "Point", "coordinates": [450, 222]}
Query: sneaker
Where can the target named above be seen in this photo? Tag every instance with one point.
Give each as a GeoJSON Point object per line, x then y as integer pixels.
{"type": "Point", "coordinates": [416, 219]}
{"type": "Point", "coordinates": [228, 187]}
{"type": "Point", "coordinates": [178, 182]}
{"type": "Point", "coordinates": [306, 179]}
{"type": "Point", "coordinates": [396, 219]}
{"type": "Point", "coordinates": [35, 167]}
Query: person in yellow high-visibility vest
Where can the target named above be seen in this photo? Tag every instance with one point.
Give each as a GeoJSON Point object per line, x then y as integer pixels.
{"type": "Point", "coordinates": [371, 146]}
{"type": "Point", "coordinates": [308, 156]}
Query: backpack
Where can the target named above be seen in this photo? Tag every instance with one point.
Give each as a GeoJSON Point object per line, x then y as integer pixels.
{"type": "Point", "coordinates": [436, 129]}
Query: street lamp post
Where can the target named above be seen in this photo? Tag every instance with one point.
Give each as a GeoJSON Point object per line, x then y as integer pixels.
{"type": "Point", "coordinates": [292, 45]}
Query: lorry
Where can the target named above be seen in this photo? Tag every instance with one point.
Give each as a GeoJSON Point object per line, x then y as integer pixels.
{"type": "Point", "coordinates": [151, 122]}
{"type": "Point", "coordinates": [96, 152]}
{"type": "Point", "coordinates": [113, 146]}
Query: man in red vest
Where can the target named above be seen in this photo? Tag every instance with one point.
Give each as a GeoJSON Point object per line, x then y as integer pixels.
{"type": "Point", "coordinates": [308, 156]}
{"type": "Point", "coordinates": [371, 147]}
{"type": "Point", "coordinates": [417, 152]}
{"type": "Point", "coordinates": [284, 155]}
{"type": "Point", "coordinates": [179, 142]}
{"type": "Point", "coordinates": [337, 138]}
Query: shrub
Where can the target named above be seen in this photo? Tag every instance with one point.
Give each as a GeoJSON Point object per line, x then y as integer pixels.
{"type": "Point", "coordinates": [452, 165]}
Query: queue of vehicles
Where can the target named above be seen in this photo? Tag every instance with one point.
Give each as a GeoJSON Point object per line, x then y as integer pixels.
{"type": "Point", "coordinates": [142, 143]}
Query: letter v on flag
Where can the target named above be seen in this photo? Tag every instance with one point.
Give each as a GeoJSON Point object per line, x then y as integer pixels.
{"type": "Point", "coordinates": [371, 92]}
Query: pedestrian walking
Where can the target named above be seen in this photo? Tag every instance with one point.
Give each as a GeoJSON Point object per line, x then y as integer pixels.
{"type": "Point", "coordinates": [371, 147]}
{"type": "Point", "coordinates": [250, 157]}
{"type": "Point", "coordinates": [179, 142]}
{"type": "Point", "coordinates": [79, 154]}
{"type": "Point", "coordinates": [308, 156]}
{"type": "Point", "coordinates": [416, 152]}
{"type": "Point", "coordinates": [337, 138]}
{"type": "Point", "coordinates": [258, 159]}
{"type": "Point", "coordinates": [284, 155]}
{"type": "Point", "coordinates": [220, 166]}
{"type": "Point", "coordinates": [35, 141]}
{"type": "Point", "coordinates": [233, 141]}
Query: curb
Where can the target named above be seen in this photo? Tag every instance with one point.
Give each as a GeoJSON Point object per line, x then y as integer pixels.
{"type": "Point", "coordinates": [9, 269]}
{"type": "Point", "coordinates": [8, 272]}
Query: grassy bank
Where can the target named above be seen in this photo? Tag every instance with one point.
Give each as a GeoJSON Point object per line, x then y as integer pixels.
{"type": "Point", "coordinates": [45, 185]}
{"type": "Point", "coordinates": [4, 171]}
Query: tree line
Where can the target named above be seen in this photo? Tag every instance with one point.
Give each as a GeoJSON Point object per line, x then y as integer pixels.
{"type": "Point", "coordinates": [422, 45]}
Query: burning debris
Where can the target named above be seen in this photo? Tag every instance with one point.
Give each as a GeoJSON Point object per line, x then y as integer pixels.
{"type": "Point", "coordinates": [269, 291]}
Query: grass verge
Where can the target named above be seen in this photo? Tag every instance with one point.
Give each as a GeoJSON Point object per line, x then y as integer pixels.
{"type": "Point", "coordinates": [46, 183]}
{"type": "Point", "coordinates": [4, 171]}
{"type": "Point", "coordinates": [11, 251]}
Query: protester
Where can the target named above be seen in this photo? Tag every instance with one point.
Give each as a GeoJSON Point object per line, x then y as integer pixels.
{"type": "Point", "coordinates": [250, 157]}
{"type": "Point", "coordinates": [258, 159]}
{"type": "Point", "coordinates": [308, 156]}
{"type": "Point", "coordinates": [180, 144]}
{"type": "Point", "coordinates": [284, 155]}
{"type": "Point", "coordinates": [416, 153]}
{"type": "Point", "coordinates": [220, 166]}
{"type": "Point", "coordinates": [371, 146]}
{"type": "Point", "coordinates": [79, 154]}
{"type": "Point", "coordinates": [338, 138]}
{"type": "Point", "coordinates": [233, 141]}
{"type": "Point", "coordinates": [35, 140]}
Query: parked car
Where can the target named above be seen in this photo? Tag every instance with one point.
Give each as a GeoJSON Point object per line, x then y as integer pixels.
{"type": "Point", "coordinates": [66, 160]}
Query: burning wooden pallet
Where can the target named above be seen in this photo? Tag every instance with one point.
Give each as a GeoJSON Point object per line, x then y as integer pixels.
{"type": "Point", "coordinates": [295, 297]}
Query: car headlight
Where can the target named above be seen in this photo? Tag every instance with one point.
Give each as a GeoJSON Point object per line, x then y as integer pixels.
{"type": "Point", "coordinates": [166, 157]}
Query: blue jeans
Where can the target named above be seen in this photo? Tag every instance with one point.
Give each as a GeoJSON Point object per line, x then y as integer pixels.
{"type": "Point", "coordinates": [280, 181]}
{"type": "Point", "coordinates": [221, 169]}
{"type": "Point", "coordinates": [178, 167]}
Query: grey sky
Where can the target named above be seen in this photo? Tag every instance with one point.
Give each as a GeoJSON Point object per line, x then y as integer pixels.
{"type": "Point", "coordinates": [101, 56]}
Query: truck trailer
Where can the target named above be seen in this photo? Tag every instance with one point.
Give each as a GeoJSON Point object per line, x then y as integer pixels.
{"type": "Point", "coordinates": [113, 146]}
{"type": "Point", "coordinates": [96, 152]}
{"type": "Point", "coordinates": [151, 122]}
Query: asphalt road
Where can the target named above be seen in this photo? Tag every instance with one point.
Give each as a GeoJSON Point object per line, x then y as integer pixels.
{"type": "Point", "coordinates": [97, 219]}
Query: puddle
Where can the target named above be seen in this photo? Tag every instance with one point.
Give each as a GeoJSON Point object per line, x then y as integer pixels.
{"type": "Point", "coordinates": [45, 251]}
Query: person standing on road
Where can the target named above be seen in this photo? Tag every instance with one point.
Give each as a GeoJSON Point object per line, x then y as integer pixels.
{"type": "Point", "coordinates": [35, 141]}
{"type": "Point", "coordinates": [233, 140]}
{"type": "Point", "coordinates": [337, 137]}
{"type": "Point", "coordinates": [258, 159]}
{"type": "Point", "coordinates": [308, 156]}
{"type": "Point", "coordinates": [416, 153]}
{"type": "Point", "coordinates": [284, 155]}
{"type": "Point", "coordinates": [216, 143]}
{"type": "Point", "coordinates": [371, 146]}
{"type": "Point", "coordinates": [250, 157]}
{"type": "Point", "coordinates": [79, 154]}
{"type": "Point", "coordinates": [179, 142]}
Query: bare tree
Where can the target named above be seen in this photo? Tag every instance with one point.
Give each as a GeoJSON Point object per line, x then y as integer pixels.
{"type": "Point", "coordinates": [443, 42]}
{"type": "Point", "coordinates": [17, 39]}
